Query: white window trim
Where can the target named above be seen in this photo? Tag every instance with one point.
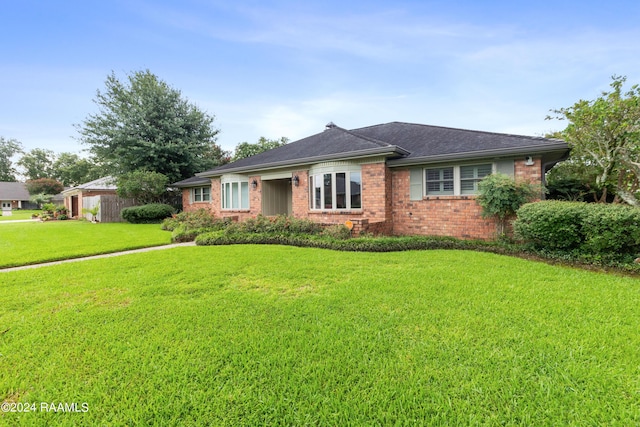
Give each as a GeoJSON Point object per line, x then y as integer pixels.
{"type": "Point", "coordinates": [193, 194]}
{"type": "Point", "coordinates": [456, 178]}
{"type": "Point", "coordinates": [333, 171]}
{"type": "Point", "coordinates": [231, 179]}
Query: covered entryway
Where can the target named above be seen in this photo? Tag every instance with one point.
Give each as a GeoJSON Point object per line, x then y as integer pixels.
{"type": "Point", "coordinates": [277, 196]}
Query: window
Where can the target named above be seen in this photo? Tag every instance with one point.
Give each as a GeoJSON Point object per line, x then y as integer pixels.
{"type": "Point", "coordinates": [201, 194]}
{"type": "Point", "coordinates": [235, 195]}
{"type": "Point", "coordinates": [470, 176]}
{"type": "Point", "coordinates": [336, 190]}
{"type": "Point", "coordinates": [439, 181]}
{"type": "Point", "coordinates": [450, 180]}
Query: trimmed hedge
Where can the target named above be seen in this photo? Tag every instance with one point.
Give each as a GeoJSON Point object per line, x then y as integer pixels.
{"type": "Point", "coordinates": [358, 244]}
{"type": "Point", "coordinates": [147, 214]}
{"type": "Point", "coordinates": [591, 230]}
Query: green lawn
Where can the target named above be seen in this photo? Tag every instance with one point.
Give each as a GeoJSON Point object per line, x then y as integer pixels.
{"type": "Point", "coordinates": [262, 335]}
{"type": "Point", "coordinates": [33, 242]}
{"type": "Point", "coordinates": [19, 214]}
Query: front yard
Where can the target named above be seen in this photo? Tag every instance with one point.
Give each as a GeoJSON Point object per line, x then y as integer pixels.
{"type": "Point", "coordinates": [21, 214]}
{"type": "Point", "coordinates": [34, 242]}
{"type": "Point", "coordinates": [255, 335]}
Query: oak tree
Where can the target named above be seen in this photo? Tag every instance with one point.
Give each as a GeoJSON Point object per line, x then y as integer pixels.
{"type": "Point", "coordinates": [145, 124]}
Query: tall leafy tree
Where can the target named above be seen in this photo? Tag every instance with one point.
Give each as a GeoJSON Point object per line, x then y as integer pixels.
{"type": "Point", "coordinates": [37, 163]}
{"type": "Point", "coordinates": [72, 170]}
{"type": "Point", "coordinates": [245, 149]}
{"type": "Point", "coordinates": [145, 124]}
{"type": "Point", "coordinates": [604, 135]}
{"type": "Point", "coordinates": [144, 186]}
{"type": "Point", "coordinates": [8, 149]}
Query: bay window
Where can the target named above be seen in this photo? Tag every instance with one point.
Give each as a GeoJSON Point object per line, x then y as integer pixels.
{"type": "Point", "coordinates": [235, 194]}
{"type": "Point", "coordinates": [336, 190]}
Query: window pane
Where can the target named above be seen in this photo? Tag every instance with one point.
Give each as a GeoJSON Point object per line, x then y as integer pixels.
{"type": "Point", "coordinates": [244, 195]}
{"type": "Point", "coordinates": [356, 189]}
{"type": "Point", "coordinates": [197, 195]}
{"type": "Point", "coordinates": [341, 190]}
{"type": "Point", "coordinates": [328, 203]}
{"type": "Point", "coordinates": [467, 172]}
{"type": "Point", "coordinates": [206, 194]}
{"type": "Point", "coordinates": [318, 192]}
{"type": "Point", "coordinates": [227, 196]}
{"type": "Point", "coordinates": [467, 187]}
{"type": "Point", "coordinates": [484, 170]}
{"type": "Point", "coordinates": [235, 196]}
{"type": "Point", "coordinates": [439, 181]}
{"type": "Point", "coordinates": [433, 174]}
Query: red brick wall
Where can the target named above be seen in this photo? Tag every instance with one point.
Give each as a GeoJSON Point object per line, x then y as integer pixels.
{"type": "Point", "coordinates": [188, 206]}
{"type": "Point", "coordinates": [531, 173]}
{"type": "Point", "coordinates": [454, 216]}
{"type": "Point", "coordinates": [300, 195]}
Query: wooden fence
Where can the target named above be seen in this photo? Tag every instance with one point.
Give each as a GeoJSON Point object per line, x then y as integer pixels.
{"type": "Point", "coordinates": [110, 207]}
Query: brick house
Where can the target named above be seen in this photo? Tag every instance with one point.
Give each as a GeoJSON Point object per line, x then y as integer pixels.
{"type": "Point", "coordinates": [394, 178]}
{"type": "Point", "coordinates": [100, 192]}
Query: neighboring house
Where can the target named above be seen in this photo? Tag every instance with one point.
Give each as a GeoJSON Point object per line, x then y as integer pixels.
{"type": "Point", "coordinates": [14, 195]}
{"type": "Point", "coordinates": [100, 192]}
{"type": "Point", "coordinates": [395, 178]}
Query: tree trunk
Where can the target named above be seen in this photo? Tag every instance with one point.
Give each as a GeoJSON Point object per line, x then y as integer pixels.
{"type": "Point", "coordinates": [628, 197]}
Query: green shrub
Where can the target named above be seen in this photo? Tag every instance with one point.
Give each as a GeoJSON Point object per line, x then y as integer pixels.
{"type": "Point", "coordinates": [611, 229]}
{"type": "Point", "coordinates": [500, 196]}
{"type": "Point", "coordinates": [589, 231]}
{"type": "Point", "coordinates": [359, 244]}
{"type": "Point", "coordinates": [279, 224]}
{"type": "Point", "coordinates": [49, 208]}
{"type": "Point", "coordinates": [551, 224]}
{"type": "Point", "coordinates": [146, 214]}
{"type": "Point", "coordinates": [200, 218]}
{"type": "Point", "coordinates": [338, 231]}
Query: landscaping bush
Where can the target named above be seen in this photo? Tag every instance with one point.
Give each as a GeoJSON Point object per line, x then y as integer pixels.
{"type": "Point", "coordinates": [611, 229]}
{"type": "Point", "coordinates": [279, 224]}
{"type": "Point", "coordinates": [500, 196]}
{"type": "Point", "coordinates": [185, 226]}
{"type": "Point", "coordinates": [359, 244]}
{"type": "Point", "coordinates": [551, 224]}
{"type": "Point", "coordinates": [590, 231]}
{"type": "Point", "coordinates": [146, 214]}
{"type": "Point", "coordinates": [338, 231]}
{"type": "Point", "coordinates": [192, 219]}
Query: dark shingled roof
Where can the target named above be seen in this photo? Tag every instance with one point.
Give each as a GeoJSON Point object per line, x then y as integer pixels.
{"type": "Point", "coordinates": [194, 181]}
{"type": "Point", "coordinates": [402, 143]}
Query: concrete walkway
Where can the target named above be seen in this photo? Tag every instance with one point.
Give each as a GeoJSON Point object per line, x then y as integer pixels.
{"type": "Point", "coordinates": [133, 251]}
{"type": "Point", "coordinates": [13, 221]}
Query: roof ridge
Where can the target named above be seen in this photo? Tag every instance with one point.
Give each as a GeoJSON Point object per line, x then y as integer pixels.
{"type": "Point", "coordinates": [456, 129]}
{"type": "Point", "coordinates": [378, 142]}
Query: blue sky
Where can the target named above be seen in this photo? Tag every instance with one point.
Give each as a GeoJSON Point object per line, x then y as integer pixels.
{"type": "Point", "coordinates": [286, 68]}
